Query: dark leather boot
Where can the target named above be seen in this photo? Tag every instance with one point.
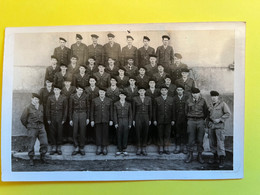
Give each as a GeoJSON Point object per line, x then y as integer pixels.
{"type": "Point", "coordinates": [189, 157]}
{"type": "Point", "coordinates": [200, 159]}
{"type": "Point", "coordinates": [221, 161]}
{"type": "Point", "coordinates": [144, 151]}
{"type": "Point", "coordinates": [76, 150]}
{"type": "Point", "coordinates": [31, 161]}
{"type": "Point", "coordinates": [177, 149]}
{"type": "Point", "coordinates": [53, 150]}
{"type": "Point", "coordinates": [98, 152]}
{"type": "Point", "coordinates": [105, 150]}
{"type": "Point", "coordinates": [214, 159]}
{"type": "Point", "coordinates": [166, 150]}
{"type": "Point", "coordinates": [43, 158]}
{"type": "Point", "coordinates": [160, 150]}
{"type": "Point", "coordinates": [59, 150]}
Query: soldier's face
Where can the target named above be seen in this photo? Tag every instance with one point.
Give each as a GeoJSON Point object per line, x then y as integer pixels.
{"type": "Point", "coordinates": [78, 40]}
{"type": "Point", "coordinates": [53, 61]}
{"type": "Point", "coordinates": [167, 81]}
{"type": "Point", "coordinates": [131, 81]}
{"type": "Point", "coordinates": [164, 91]}
{"type": "Point", "coordinates": [179, 91]}
{"type": "Point", "coordinates": [196, 95]}
{"type": "Point", "coordinates": [91, 61]}
{"type": "Point", "coordinates": [141, 92]}
{"type": "Point", "coordinates": [48, 83]}
{"type": "Point", "coordinates": [79, 91]}
{"type": "Point", "coordinates": [152, 84]}
{"type": "Point", "coordinates": [122, 97]}
{"type": "Point", "coordinates": [214, 99]}
{"type": "Point", "coordinates": [67, 83]}
{"type": "Point", "coordinates": [94, 40]}
{"type": "Point", "coordinates": [111, 61]}
{"type": "Point", "coordinates": [129, 41]}
{"type": "Point", "coordinates": [110, 39]}
{"type": "Point", "coordinates": [142, 71]}
{"type": "Point", "coordinates": [165, 41]}
{"type": "Point", "coordinates": [35, 100]}
{"type": "Point", "coordinates": [177, 60]}
{"type": "Point", "coordinates": [56, 91]}
{"type": "Point", "coordinates": [62, 43]}
{"type": "Point", "coordinates": [121, 72]}
{"type": "Point", "coordinates": [184, 74]}
{"type": "Point", "coordinates": [160, 68]}
{"type": "Point", "coordinates": [82, 69]}
{"type": "Point", "coordinates": [92, 82]}
{"type": "Point", "coordinates": [73, 60]}
{"type": "Point", "coordinates": [113, 82]}
{"type": "Point", "coordinates": [130, 61]}
{"type": "Point", "coordinates": [102, 93]}
{"type": "Point", "coordinates": [152, 60]}
{"type": "Point", "coordinates": [146, 42]}
{"type": "Point", "coordinates": [101, 68]}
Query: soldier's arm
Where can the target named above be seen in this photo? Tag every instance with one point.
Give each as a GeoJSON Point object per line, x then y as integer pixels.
{"type": "Point", "coordinates": [92, 110]}
{"type": "Point", "coordinates": [111, 111]}
{"type": "Point", "coordinates": [150, 109]}
{"type": "Point", "coordinates": [70, 107]}
{"type": "Point", "coordinates": [136, 58]}
{"type": "Point", "coordinates": [172, 56]}
{"type": "Point", "coordinates": [158, 54]}
{"type": "Point", "coordinates": [65, 109]}
{"type": "Point", "coordinates": [85, 55]}
{"type": "Point", "coordinates": [173, 111]}
{"type": "Point", "coordinates": [130, 115]}
{"type": "Point", "coordinates": [205, 110]}
{"type": "Point", "coordinates": [115, 115]}
{"type": "Point", "coordinates": [69, 55]}
{"type": "Point", "coordinates": [48, 109]}
{"type": "Point", "coordinates": [155, 110]}
{"type": "Point", "coordinates": [24, 117]}
{"type": "Point", "coordinates": [102, 55]}
{"type": "Point", "coordinates": [88, 106]}
{"type": "Point", "coordinates": [226, 112]}
{"type": "Point", "coordinates": [134, 109]}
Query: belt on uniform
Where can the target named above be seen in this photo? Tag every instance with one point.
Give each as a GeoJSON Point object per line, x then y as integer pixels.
{"type": "Point", "coordinates": [196, 118]}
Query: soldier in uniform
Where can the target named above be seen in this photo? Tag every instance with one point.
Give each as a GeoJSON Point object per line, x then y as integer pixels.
{"type": "Point", "coordinates": [131, 90]}
{"type": "Point", "coordinates": [123, 122]}
{"type": "Point", "coordinates": [196, 111]}
{"type": "Point", "coordinates": [142, 116]}
{"type": "Point", "coordinates": [164, 118]}
{"type": "Point", "coordinates": [145, 52]}
{"type": "Point", "coordinates": [142, 79]}
{"type": "Point", "coordinates": [112, 49]}
{"type": "Point", "coordinates": [130, 68]}
{"type": "Point", "coordinates": [219, 112]}
{"type": "Point", "coordinates": [187, 82]}
{"type": "Point", "coordinates": [80, 49]}
{"type": "Point", "coordinates": [177, 67]}
{"type": "Point", "coordinates": [52, 69]}
{"type": "Point", "coordinates": [101, 118]}
{"type": "Point", "coordinates": [160, 76]}
{"type": "Point", "coordinates": [91, 67]}
{"type": "Point", "coordinates": [60, 77]}
{"type": "Point", "coordinates": [73, 67]}
{"type": "Point", "coordinates": [165, 53]}
{"type": "Point", "coordinates": [62, 52]}
{"type": "Point", "coordinates": [170, 85]}
{"type": "Point", "coordinates": [129, 51]}
{"type": "Point", "coordinates": [79, 111]}
{"type": "Point", "coordinates": [81, 78]}
{"type": "Point", "coordinates": [96, 50]}
{"type": "Point", "coordinates": [56, 112]}
{"type": "Point", "coordinates": [122, 80]}
{"type": "Point", "coordinates": [32, 119]}
{"type": "Point", "coordinates": [103, 78]}
{"type": "Point", "coordinates": [179, 101]}
{"type": "Point", "coordinates": [152, 67]}
{"type": "Point", "coordinates": [111, 68]}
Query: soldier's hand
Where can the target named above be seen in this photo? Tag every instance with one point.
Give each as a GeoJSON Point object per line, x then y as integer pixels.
{"type": "Point", "coordinates": [62, 122]}
{"type": "Point", "coordinates": [49, 122]}
{"type": "Point", "coordinates": [71, 123]}
{"type": "Point", "coordinates": [92, 123]}
{"type": "Point", "coordinates": [150, 122]}
{"type": "Point", "coordinates": [87, 121]}
{"type": "Point", "coordinates": [110, 123]}
{"type": "Point", "coordinates": [172, 123]}
{"type": "Point", "coordinates": [116, 126]}
{"type": "Point", "coordinates": [155, 123]}
{"type": "Point", "coordinates": [134, 123]}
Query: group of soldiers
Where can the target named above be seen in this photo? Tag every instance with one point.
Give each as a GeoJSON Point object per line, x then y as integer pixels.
{"type": "Point", "coordinates": [117, 96]}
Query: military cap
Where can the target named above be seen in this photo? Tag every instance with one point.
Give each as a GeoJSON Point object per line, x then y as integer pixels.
{"type": "Point", "coordinates": [167, 76]}
{"type": "Point", "coordinates": [180, 86]}
{"type": "Point", "coordinates": [160, 65]}
{"type": "Point", "coordinates": [62, 64]}
{"type": "Point", "coordinates": [185, 70]}
{"type": "Point", "coordinates": [121, 91]}
{"type": "Point", "coordinates": [102, 88]}
{"type": "Point", "coordinates": [62, 39]}
{"type": "Point", "coordinates": [129, 37]}
{"type": "Point", "coordinates": [36, 95]}
{"type": "Point", "coordinates": [152, 79]}
{"type": "Point", "coordinates": [57, 86]}
{"type": "Point", "coordinates": [214, 93]}
{"type": "Point", "coordinates": [83, 65]}
{"type": "Point", "coordinates": [54, 57]}
{"type": "Point", "coordinates": [177, 55]}
{"type": "Point", "coordinates": [49, 79]}
{"type": "Point", "coordinates": [166, 37]}
{"type": "Point", "coordinates": [153, 56]}
{"type": "Point", "coordinates": [113, 77]}
{"type": "Point", "coordinates": [75, 56]}
{"type": "Point", "coordinates": [68, 79]}
{"type": "Point", "coordinates": [121, 68]}
{"type": "Point", "coordinates": [132, 77]}
{"type": "Point", "coordinates": [143, 68]}
{"type": "Point", "coordinates": [164, 87]}
{"type": "Point", "coordinates": [100, 64]}
{"type": "Point", "coordinates": [195, 90]}
{"type": "Point", "coordinates": [141, 87]}
{"type": "Point", "coordinates": [79, 86]}
{"type": "Point", "coordinates": [92, 57]}
{"type": "Point", "coordinates": [93, 77]}
{"type": "Point", "coordinates": [79, 36]}
{"type": "Point", "coordinates": [94, 36]}
{"type": "Point", "coordinates": [146, 38]}
{"type": "Point", "coordinates": [110, 35]}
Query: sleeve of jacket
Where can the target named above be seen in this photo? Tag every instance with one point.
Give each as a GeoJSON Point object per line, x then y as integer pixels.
{"type": "Point", "coordinates": [85, 55]}
{"type": "Point", "coordinates": [186, 108]}
{"type": "Point", "coordinates": [173, 110]}
{"type": "Point", "coordinates": [71, 107]}
{"type": "Point", "coordinates": [130, 115]}
{"type": "Point", "coordinates": [155, 110]}
{"type": "Point", "coordinates": [102, 55]}
{"type": "Point", "coordinates": [65, 109]}
{"type": "Point", "coordinates": [48, 109]}
{"type": "Point", "coordinates": [136, 58]}
{"type": "Point", "coordinates": [226, 112]}
{"type": "Point", "coordinates": [88, 106]}
{"type": "Point", "coordinates": [69, 55]}
{"type": "Point", "coordinates": [150, 109]}
{"type": "Point", "coordinates": [134, 109]}
{"type": "Point", "coordinates": [172, 56]}
{"type": "Point", "coordinates": [24, 117]}
{"type": "Point", "coordinates": [115, 115]}
{"type": "Point", "coordinates": [205, 110]}
{"type": "Point", "coordinates": [158, 54]}
{"type": "Point", "coordinates": [92, 110]}
{"type": "Point", "coordinates": [111, 110]}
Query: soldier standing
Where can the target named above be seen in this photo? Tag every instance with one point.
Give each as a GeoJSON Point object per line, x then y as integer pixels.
{"type": "Point", "coordinates": [142, 79]}
{"type": "Point", "coordinates": [160, 76]}
{"type": "Point", "coordinates": [80, 49]}
{"type": "Point", "coordinates": [145, 52]}
{"type": "Point", "coordinates": [164, 118]}
{"type": "Point", "coordinates": [129, 51]}
{"type": "Point", "coordinates": [219, 113]}
{"type": "Point", "coordinates": [131, 70]}
{"type": "Point", "coordinates": [170, 85]}
{"type": "Point", "coordinates": [111, 68]}
{"type": "Point", "coordinates": [177, 67]}
{"type": "Point", "coordinates": [112, 49]}
{"type": "Point", "coordinates": [91, 67]}
{"type": "Point", "coordinates": [187, 82]}
{"type": "Point", "coordinates": [152, 67]}
{"type": "Point", "coordinates": [56, 111]}
{"type": "Point", "coordinates": [81, 78]}
{"type": "Point", "coordinates": [62, 52]}
{"type": "Point", "coordinates": [122, 80]}
{"type": "Point", "coordinates": [32, 119]}
{"type": "Point", "coordinates": [73, 67]}
{"type": "Point", "coordinates": [52, 69]}
{"type": "Point", "coordinates": [60, 77]}
{"type": "Point", "coordinates": [103, 78]}
{"type": "Point", "coordinates": [96, 50]}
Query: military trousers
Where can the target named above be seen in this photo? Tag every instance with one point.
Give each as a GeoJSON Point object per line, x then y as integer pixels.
{"type": "Point", "coordinates": [216, 141]}
{"type": "Point", "coordinates": [79, 128]}
{"type": "Point", "coordinates": [122, 133]}
{"type": "Point", "coordinates": [181, 132]}
{"type": "Point", "coordinates": [164, 133]}
{"type": "Point", "coordinates": [141, 127]}
{"type": "Point", "coordinates": [40, 134]}
{"type": "Point", "coordinates": [56, 129]}
{"type": "Point", "coordinates": [196, 131]}
{"type": "Point", "coordinates": [102, 134]}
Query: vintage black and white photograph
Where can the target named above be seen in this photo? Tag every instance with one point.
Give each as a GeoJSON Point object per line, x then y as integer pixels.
{"type": "Point", "coordinates": [123, 102]}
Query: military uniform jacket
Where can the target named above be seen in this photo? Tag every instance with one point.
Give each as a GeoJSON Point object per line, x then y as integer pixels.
{"type": "Point", "coordinates": [122, 83]}
{"type": "Point", "coordinates": [50, 72]}
{"type": "Point", "coordinates": [92, 93]}
{"type": "Point", "coordinates": [79, 104]}
{"type": "Point", "coordinates": [31, 117]}
{"type": "Point", "coordinates": [165, 56]}
{"type": "Point", "coordinates": [113, 71]}
{"type": "Point", "coordinates": [59, 78]}
{"type": "Point", "coordinates": [142, 82]}
{"type": "Point", "coordinates": [188, 84]}
{"type": "Point", "coordinates": [102, 80]}
{"type": "Point", "coordinates": [44, 94]}
{"type": "Point", "coordinates": [83, 81]}
{"type": "Point", "coordinates": [113, 95]}
{"type": "Point", "coordinates": [159, 79]}
{"type": "Point", "coordinates": [91, 70]}
{"type": "Point", "coordinates": [113, 52]}
{"type": "Point", "coordinates": [101, 111]}
{"type": "Point", "coordinates": [73, 71]}
{"type": "Point", "coordinates": [131, 93]}
{"type": "Point", "coordinates": [96, 51]}
{"type": "Point", "coordinates": [176, 71]}
{"type": "Point", "coordinates": [63, 55]}
{"type": "Point", "coordinates": [140, 108]}
{"type": "Point", "coordinates": [127, 53]}
{"type": "Point", "coordinates": [179, 107]}
{"type": "Point", "coordinates": [151, 70]}
{"type": "Point", "coordinates": [57, 107]}
{"type": "Point", "coordinates": [80, 51]}
{"type": "Point", "coordinates": [172, 90]}
{"type": "Point", "coordinates": [144, 55]}
{"type": "Point", "coordinates": [164, 111]}
{"type": "Point", "coordinates": [121, 112]}
{"type": "Point", "coordinates": [131, 71]}
{"type": "Point", "coordinates": [197, 109]}
{"type": "Point", "coordinates": [156, 93]}
{"type": "Point", "coordinates": [68, 92]}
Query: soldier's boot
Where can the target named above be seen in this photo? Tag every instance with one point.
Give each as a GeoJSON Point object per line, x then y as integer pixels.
{"type": "Point", "coordinates": [43, 158]}
{"type": "Point", "coordinates": [221, 161]}
{"type": "Point", "coordinates": [189, 157]}
{"type": "Point", "coordinates": [82, 151]}
{"type": "Point", "coordinates": [185, 151]}
{"type": "Point", "coordinates": [214, 159]}
{"type": "Point", "coordinates": [199, 158]}
{"type": "Point", "coordinates": [177, 149]}
{"type": "Point", "coordinates": [31, 161]}
{"type": "Point", "coordinates": [105, 150]}
{"type": "Point", "coordinates": [98, 151]}
{"type": "Point", "coordinates": [53, 150]}
{"type": "Point", "coordinates": [144, 152]}
{"type": "Point", "coordinates": [76, 150]}
{"type": "Point", "coordinates": [160, 150]}
{"type": "Point", "coordinates": [59, 150]}
{"type": "Point", "coordinates": [166, 150]}
{"type": "Point", "coordinates": [138, 152]}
